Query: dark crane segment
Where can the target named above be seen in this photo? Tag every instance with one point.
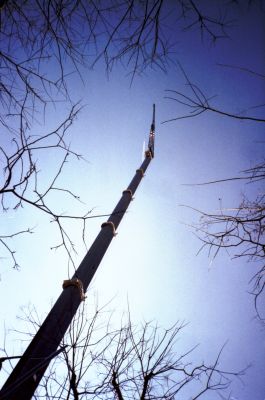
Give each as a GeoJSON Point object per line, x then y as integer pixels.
{"type": "Point", "coordinates": [28, 372]}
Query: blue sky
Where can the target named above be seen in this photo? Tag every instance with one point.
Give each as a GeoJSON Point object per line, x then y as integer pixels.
{"type": "Point", "coordinates": [152, 262]}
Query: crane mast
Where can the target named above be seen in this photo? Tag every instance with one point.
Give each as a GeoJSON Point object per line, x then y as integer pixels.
{"type": "Point", "coordinates": [25, 377]}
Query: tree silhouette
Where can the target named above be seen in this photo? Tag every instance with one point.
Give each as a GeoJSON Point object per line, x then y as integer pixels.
{"type": "Point", "coordinates": [197, 102]}
{"type": "Point", "coordinates": [240, 230]}
{"type": "Point", "coordinates": [97, 361]}
{"type": "Point", "coordinates": [68, 36]}
{"type": "Point", "coordinates": [42, 45]}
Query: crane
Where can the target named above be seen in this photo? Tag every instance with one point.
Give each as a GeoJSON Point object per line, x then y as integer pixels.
{"type": "Point", "coordinates": [25, 377]}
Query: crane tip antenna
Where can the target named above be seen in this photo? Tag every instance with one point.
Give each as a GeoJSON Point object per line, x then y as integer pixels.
{"type": "Point", "coordinates": [153, 120]}
{"type": "Point", "coordinates": [150, 148]}
{"type": "Point", "coordinates": [152, 135]}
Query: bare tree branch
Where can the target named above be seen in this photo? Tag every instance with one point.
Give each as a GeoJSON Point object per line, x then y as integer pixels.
{"type": "Point", "coordinates": [240, 229]}
{"type": "Point", "coordinates": [132, 362]}
{"type": "Point", "coordinates": [42, 44]}
{"type": "Point", "coordinates": [198, 103]}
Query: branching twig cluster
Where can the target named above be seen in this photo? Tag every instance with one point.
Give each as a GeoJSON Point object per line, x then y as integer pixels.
{"type": "Point", "coordinates": [133, 362]}
{"type": "Point", "coordinates": [197, 102]}
{"type": "Point", "coordinates": [139, 36]}
{"type": "Point", "coordinates": [241, 230]}
{"type": "Point", "coordinates": [42, 43]}
{"type": "Point", "coordinates": [21, 185]}
{"type": "Point", "coordinates": [67, 34]}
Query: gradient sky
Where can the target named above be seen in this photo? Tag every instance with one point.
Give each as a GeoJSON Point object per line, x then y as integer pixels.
{"type": "Point", "coordinates": [152, 262]}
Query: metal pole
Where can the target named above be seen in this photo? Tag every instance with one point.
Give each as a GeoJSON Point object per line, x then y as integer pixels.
{"type": "Point", "coordinates": [28, 372]}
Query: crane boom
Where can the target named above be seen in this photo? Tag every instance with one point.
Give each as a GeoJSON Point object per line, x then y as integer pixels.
{"type": "Point", "coordinates": [25, 377]}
